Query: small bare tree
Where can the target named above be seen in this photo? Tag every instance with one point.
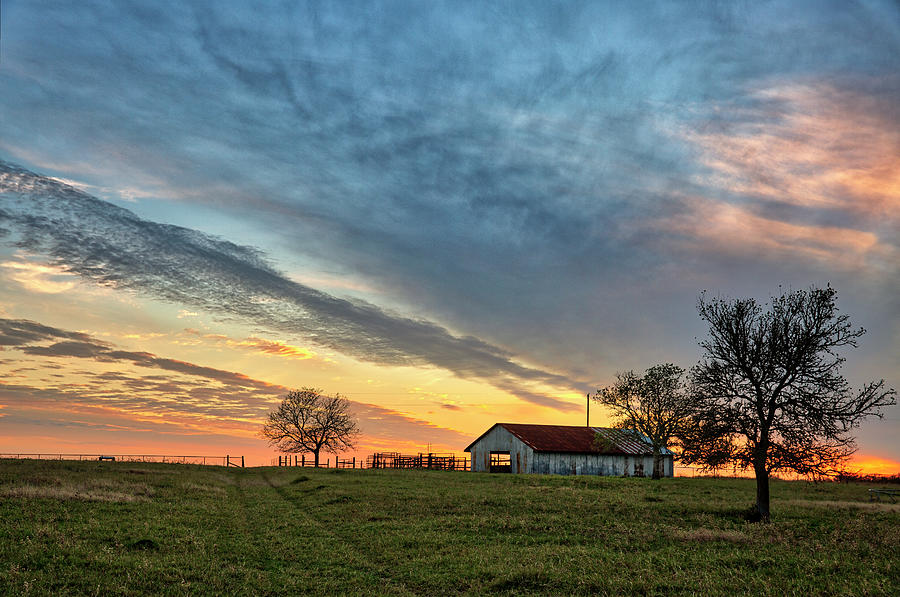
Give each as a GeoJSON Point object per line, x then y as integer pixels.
{"type": "Point", "coordinates": [309, 421]}
{"type": "Point", "coordinates": [768, 393]}
{"type": "Point", "coordinates": [654, 404]}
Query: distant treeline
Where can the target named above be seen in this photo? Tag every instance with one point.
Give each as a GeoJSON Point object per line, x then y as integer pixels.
{"type": "Point", "coordinates": [847, 477]}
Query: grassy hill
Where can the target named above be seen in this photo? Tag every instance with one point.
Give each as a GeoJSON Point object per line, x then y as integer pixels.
{"type": "Point", "coordinates": [126, 528]}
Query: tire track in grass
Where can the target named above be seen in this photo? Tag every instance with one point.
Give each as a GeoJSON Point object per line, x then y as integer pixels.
{"type": "Point", "coordinates": [271, 563]}
{"type": "Point", "coordinates": [240, 537]}
{"type": "Point", "coordinates": [359, 558]}
{"type": "Point", "coordinates": [244, 527]}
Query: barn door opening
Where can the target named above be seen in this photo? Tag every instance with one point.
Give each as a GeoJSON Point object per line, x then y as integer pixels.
{"type": "Point", "coordinates": [500, 462]}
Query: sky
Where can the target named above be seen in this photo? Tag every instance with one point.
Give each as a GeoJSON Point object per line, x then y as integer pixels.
{"type": "Point", "coordinates": [453, 214]}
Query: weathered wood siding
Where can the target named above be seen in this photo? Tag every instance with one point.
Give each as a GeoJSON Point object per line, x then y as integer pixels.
{"type": "Point", "coordinates": [557, 463]}
{"type": "Point", "coordinates": [525, 460]}
{"type": "Point", "coordinates": [501, 440]}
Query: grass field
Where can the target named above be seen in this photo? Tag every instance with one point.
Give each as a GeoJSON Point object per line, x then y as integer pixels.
{"type": "Point", "coordinates": [126, 528]}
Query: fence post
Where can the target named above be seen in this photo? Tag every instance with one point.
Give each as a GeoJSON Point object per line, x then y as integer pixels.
{"type": "Point", "coordinates": [302, 459]}
{"type": "Point", "coordinates": [354, 462]}
{"type": "Point", "coordinates": [242, 462]}
{"type": "Point", "coordinates": [227, 461]}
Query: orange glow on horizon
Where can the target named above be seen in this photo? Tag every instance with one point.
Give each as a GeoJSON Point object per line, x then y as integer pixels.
{"type": "Point", "coordinates": [874, 465]}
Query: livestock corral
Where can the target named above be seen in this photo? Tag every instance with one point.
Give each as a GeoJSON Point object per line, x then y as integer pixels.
{"type": "Point", "coordinates": [439, 462]}
{"type": "Point", "coordinates": [380, 460]}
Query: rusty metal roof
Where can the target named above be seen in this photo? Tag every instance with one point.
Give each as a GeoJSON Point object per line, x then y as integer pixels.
{"type": "Point", "coordinates": [567, 438]}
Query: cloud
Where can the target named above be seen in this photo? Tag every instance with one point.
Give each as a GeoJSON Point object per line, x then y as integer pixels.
{"type": "Point", "coordinates": [19, 332]}
{"type": "Point", "coordinates": [390, 425]}
{"type": "Point", "coordinates": [806, 168]}
{"type": "Point", "coordinates": [826, 144]}
{"type": "Point", "coordinates": [190, 398]}
{"type": "Point", "coordinates": [268, 347]}
{"type": "Point", "coordinates": [730, 229]}
{"type": "Point", "coordinates": [113, 247]}
{"type": "Point", "coordinates": [277, 348]}
{"type": "Point", "coordinates": [37, 277]}
{"type": "Point", "coordinates": [87, 350]}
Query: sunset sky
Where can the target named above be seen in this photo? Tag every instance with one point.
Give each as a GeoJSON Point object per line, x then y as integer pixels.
{"type": "Point", "coordinates": [454, 214]}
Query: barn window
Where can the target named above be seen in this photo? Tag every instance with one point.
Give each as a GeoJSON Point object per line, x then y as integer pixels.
{"type": "Point", "coordinates": [500, 462]}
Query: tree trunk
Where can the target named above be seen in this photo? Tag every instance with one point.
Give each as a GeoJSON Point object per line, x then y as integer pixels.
{"type": "Point", "coordinates": [657, 462]}
{"type": "Point", "coordinates": [762, 492]}
{"type": "Point", "coordinates": [316, 458]}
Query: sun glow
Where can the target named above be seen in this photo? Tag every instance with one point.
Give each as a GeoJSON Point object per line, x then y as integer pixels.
{"type": "Point", "coordinates": [874, 465]}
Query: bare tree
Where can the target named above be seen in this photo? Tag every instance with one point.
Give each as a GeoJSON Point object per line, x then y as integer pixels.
{"type": "Point", "coordinates": [654, 405]}
{"type": "Point", "coordinates": [309, 421]}
{"type": "Point", "coordinates": [769, 394]}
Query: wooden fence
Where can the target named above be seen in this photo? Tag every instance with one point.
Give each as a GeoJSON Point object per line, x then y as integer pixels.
{"type": "Point", "coordinates": [441, 462]}
{"type": "Point", "coordinates": [303, 460]}
{"type": "Point", "coordinates": [226, 460]}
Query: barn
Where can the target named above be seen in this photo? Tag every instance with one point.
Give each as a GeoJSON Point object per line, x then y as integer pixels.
{"type": "Point", "coordinates": [565, 450]}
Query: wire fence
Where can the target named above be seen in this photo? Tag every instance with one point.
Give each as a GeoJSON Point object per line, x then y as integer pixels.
{"type": "Point", "coordinates": [836, 476]}
{"type": "Point", "coordinates": [226, 460]}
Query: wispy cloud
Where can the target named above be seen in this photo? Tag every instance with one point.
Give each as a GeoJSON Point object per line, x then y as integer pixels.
{"type": "Point", "coordinates": [731, 229]}
{"type": "Point", "coordinates": [815, 144]}
{"type": "Point", "coordinates": [269, 347]}
{"type": "Point", "coordinates": [21, 332]}
{"type": "Point", "coordinates": [808, 168]}
{"type": "Point", "coordinates": [38, 277]}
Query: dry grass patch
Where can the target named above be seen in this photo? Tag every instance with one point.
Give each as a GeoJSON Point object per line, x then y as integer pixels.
{"type": "Point", "coordinates": [100, 490]}
{"type": "Point", "coordinates": [704, 535]}
{"type": "Point", "coordinates": [846, 505]}
{"type": "Point", "coordinates": [213, 489]}
{"type": "Point", "coordinates": [144, 471]}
